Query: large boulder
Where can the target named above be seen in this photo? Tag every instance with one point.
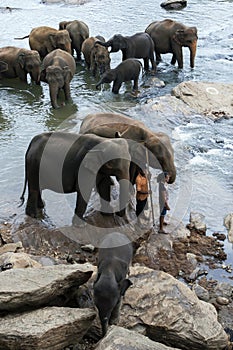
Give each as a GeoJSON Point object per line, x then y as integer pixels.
{"type": "Point", "coordinates": [49, 328]}
{"type": "Point", "coordinates": [167, 311]}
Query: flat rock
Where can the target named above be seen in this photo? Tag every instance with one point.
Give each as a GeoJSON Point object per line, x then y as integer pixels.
{"type": "Point", "coordinates": [214, 100]}
{"type": "Point", "coordinates": [120, 338]}
{"type": "Point", "coordinates": [174, 4]}
{"type": "Point", "coordinates": [36, 287]}
{"type": "Point", "coordinates": [49, 328]}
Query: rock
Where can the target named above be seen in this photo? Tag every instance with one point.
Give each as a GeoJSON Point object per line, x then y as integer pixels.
{"type": "Point", "coordinates": [211, 99]}
{"type": "Point", "coordinates": [174, 4]}
{"type": "Point", "coordinates": [201, 292]}
{"type": "Point", "coordinates": [222, 301]}
{"type": "Point", "coordinates": [120, 338]}
{"type": "Point", "coordinates": [50, 328]}
{"type": "Point", "coordinates": [223, 289]}
{"type": "Point", "coordinates": [18, 260]}
{"type": "Point", "coordinates": [170, 312]}
{"type": "Point", "coordinates": [228, 223]}
{"type": "Point", "coordinates": [33, 288]}
{"type": "Point", "coordinates": [196, 221]}
{"type": "Point", "coordinates": [11, 247]}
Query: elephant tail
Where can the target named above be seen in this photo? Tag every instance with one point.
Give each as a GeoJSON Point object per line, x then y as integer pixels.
{"type": "Point", "coordinates": [27, 36]}
{"type": "Point", "coordinates": [22, 195]}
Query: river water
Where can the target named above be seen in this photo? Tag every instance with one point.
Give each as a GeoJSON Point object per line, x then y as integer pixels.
{"type": "Point", "coordinates": [203, 148]}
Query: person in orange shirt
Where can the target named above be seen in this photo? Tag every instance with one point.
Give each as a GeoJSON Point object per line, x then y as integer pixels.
{"type": "Point", "coordinates": [142, 191]}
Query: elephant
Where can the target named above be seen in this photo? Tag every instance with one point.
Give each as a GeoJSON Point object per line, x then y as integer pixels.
{"type": "Point", "coordinates": [169, 36]}
{"type": "Point", "coordinates": [139, 45]}
{"type": "Point", "coordinates": [20, 62]}
{"type": "Point", "coordinates": [140, 139]}
{"type": "Point", "coordinates": [58, 69]}
{"type": "Point", "coordinates": [115, 256]}
{"type": "Point", "coordinates": [69, 162]}
{"type": "Point", "coordinates": [46, 39]}
{"type": "Point", "coordinates": [78, 31]}
{"type": "Point", "coordinates": [96, 56]}
{"type": "Point", "coordinates": [125, 71]}
{"type": "Point", "coordinates": [3, 66]}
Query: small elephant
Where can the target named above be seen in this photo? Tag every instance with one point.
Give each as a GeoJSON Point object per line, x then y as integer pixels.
{"type": "Point", "coordinates": [125, 71]}
{"type": "Point", "coordinates": [46, 39]}
{"type": "Point", "coordinates": [58, 69]}
{"type": "Point", "coordinates": [160, 151]}
{"type": "Point", "coordinates": [69, 162]}
{"type": "Point", "coordinates": [139, 45]}
{"type": "Point", "coordinates": [78, 31]}
{"type": "Point", "coordinates": [20, 62]}
{"type": "Point", "coordinates": [96, 56]}
{"type": "Point", "coordinates": [115, 256]}
{"type": "Point", "coordinates": [169, 36]}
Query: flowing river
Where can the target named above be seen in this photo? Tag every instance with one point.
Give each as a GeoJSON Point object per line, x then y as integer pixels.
{"type": "Point", "coordinates": [203, 148]}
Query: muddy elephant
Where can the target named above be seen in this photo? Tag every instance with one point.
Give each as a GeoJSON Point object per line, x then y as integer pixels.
{"type": "Point", "coordinates": [170, 36]}
{"type": "Point", "coordinates": [78, 31]}
{"type": "Point", "coordinates": [125, 71]}
{"type": "Point", "coordinates": [20, 62]}
{"type": "Point", "coordinates": [144, 145]}
{"type": "Point", "coordinates": [58, 69]}
{"type": "Point", "coordinates": [69, 162]}
{"type": "Point", "coordinates": [115, 256]}
{"type": "Point", "coordinates": [46, 39]}
{"type": "Point", "coordinates": [96, 56]}
{"type": "Point", "coordinates": [139, 45]}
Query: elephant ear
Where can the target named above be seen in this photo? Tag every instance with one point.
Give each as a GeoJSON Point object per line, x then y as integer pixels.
{"type": "Point", "coordinates": [124, 285]}
{"type": "Point", "coordinates": [52, 38]}
{"type": "Point", "coordinates": [21, 60]}
{"type": "Point", "coordinates": [67, 74]}
{"type": "Point", "coordinates": [92, 160]}
{"type": "Point", "coordinates": [3, 66]}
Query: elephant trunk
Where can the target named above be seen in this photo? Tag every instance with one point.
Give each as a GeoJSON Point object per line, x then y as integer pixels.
{"type": "Point", "coordinates": [193, 49]}
{"type": "Point", "coordinates": [53, 91]}
{"type": "Point", "coordinates": [105, 44]}
{"type": "Point", "coordinates": [124, 196]}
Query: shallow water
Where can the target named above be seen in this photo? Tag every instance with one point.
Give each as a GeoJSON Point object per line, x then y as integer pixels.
{"type": "Point", "coordinates": [203, 149]}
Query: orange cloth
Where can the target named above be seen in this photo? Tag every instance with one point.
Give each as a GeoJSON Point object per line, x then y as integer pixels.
{"type": "Point", "coordinates": [141, 186]}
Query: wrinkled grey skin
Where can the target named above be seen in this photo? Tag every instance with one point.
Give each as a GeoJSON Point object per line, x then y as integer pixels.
{"type": "Point", "coordinates": [3, 66]}
{"type": "Point", "coordinates": [115, 255]}
{"type": "Point", "coordinates": [58, 70]}
{"type": "Point", "coordinates": [20, 62]}
{"type": "Point", "coordinates": [78, 31]}
{"type": "Point", "coordinates": [126, 71]}
{"type": "Point", "coordinates": [160, 150]}
{"type": "Point", "coordinates": [170, 36]}
{"type": "Point", "coordinates": [97, 57]}
{"type": "Point", "coordinates": [69, 162]}
{"type": "Point", "coordinates": [138, 45]}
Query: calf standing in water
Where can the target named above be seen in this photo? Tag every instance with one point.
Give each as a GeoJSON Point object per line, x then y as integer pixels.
{"type": "Point", "coordinates": [115, 256]}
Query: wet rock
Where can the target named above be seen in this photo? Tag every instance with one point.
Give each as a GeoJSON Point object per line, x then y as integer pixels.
{"type": "Point", "coordinates": [195, 274]}
{"type": "Point", "coordinates": [170, 312]}
{"type": "Point", "coordinates": [18, 260]}
{"type": "Point", "coordinates": [196, 221]}
{"type": "Point", "coordinates": [201, 292]}
{"type": "Point", "coordinates": [11, 247]}
{"type": "Point", "coordinates": [228, 222]}
{"type": "Point", "coordinates": [49, 328]}
{"type": "Point", "coordinates": [120, 338]}
{"type": "Point", "coordinates": [222, 301]}
{"type": "Point", "coordinates": [174, 4]}
{"type": "Point", "coordinates": [223, 289]}
{"type": "Point", "coordinates": [211, 99]}
{"type": "Point", "coordinates": [33, 288]}
{"type": "Point", "coordinates": [219, 236]}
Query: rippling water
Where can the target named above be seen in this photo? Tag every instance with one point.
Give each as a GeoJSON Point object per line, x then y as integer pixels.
{"type": "Point", "coordinates": [203, 148]}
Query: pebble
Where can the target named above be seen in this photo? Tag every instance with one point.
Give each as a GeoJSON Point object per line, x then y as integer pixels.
{"type": "Point", "coordinates": [222, 301]}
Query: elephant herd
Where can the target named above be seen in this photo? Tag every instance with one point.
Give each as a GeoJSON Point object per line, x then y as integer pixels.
{"type": "Point", "coordinates": [52, 51]}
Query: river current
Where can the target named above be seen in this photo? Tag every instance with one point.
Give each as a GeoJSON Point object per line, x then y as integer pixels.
{"type": "Point", "coordinates": [203, 148]}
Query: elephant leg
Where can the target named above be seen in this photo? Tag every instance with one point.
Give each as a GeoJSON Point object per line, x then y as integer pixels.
{"type": "Point", "coordinates": [40, 203]}
{"type": "Point", "coordinates": [67, 91]}
{"type": "Point", "coordinates": [115, 314]}
{"type": "Point", "coordinates": [116, 86]}
{"type": "Point", "coordinates": [173, 61]}
{"type": "Point", "coordinates": [135, 85]}
{"type": "Point", "coordinates": [31, 207]}
{"type": "Point", "coordinates": [146, 63]}
{"type": "Point", "coordinates": [103, 184]}
{"type": "Point", "coordinates": [81, 203]}
{"type": "Point", "coordinates": [158, 57]}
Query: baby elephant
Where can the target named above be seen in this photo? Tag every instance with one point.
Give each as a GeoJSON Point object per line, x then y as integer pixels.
{"type": "Point", "coordinates": [115, 255]}
{"type": "Point", "coordinates": [58, 70]}
{"type": "Point", "coordinates": [126, 71]}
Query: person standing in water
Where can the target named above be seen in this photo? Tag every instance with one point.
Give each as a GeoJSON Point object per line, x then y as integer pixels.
{"type": "Point", "coordinates": [142, 191]}
{"type": "Point", "coordinates": [163, 179]}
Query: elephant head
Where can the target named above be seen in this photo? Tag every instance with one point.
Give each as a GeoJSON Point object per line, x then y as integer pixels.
{"type": "Point", "coordinates": [3, 66]}
{"type": "Point", "coordinates": [117, 42]}
{"type": "Point", "coordinates": [61, 40]}
{"type": "Point", "coordinates": [101, 58]}
{"type": "Point", "coordinates": [187, 37]}
{"type": "Point", "coordinates": [30, 62]}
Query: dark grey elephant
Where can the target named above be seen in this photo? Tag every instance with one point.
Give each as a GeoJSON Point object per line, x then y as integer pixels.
{"type": "Point", "coordinates": [20, 62]}
{"type": "Point", "coordinates": [160, 151]}
{"type": "Point", "coordinates": [115, 255]}
{"type": "Point", "coordinates": [58, 69]}
{"type": "Point", "coordinates": [139, 45]}
{"type": "Point", "coordinates": [170, 36]}
{"type": "Point", "coordinates": [125, 71]}
{"type": "Point", "coordinates": [78, 31]}
{"type": "Point", "coordinates": [46, 39]}
{"type": "Point", "coordinates": [69, 162]}
{"type": "Point", "coordinates": [3, 67]}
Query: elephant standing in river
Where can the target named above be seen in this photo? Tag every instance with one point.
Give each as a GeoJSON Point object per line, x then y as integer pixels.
{"type": "Point", "coordinates": [46, 39]}
{"type": "Point", "coordinates": [58, 69]}
{"type": "Point", "coordinates": [170, 36]}
{"type": "Point", "coordinates": [20, 62]}
{"type": "Point", "coordinates": [139, 45]}
{"type": "Point", "coordinates": [142, 141]}
{"type": "Point", "coordinates": [115, 256]}
{"type": "Point", "coordinates": [69, 162]}
{"type": "Point", "coordinates": [78, 31]}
